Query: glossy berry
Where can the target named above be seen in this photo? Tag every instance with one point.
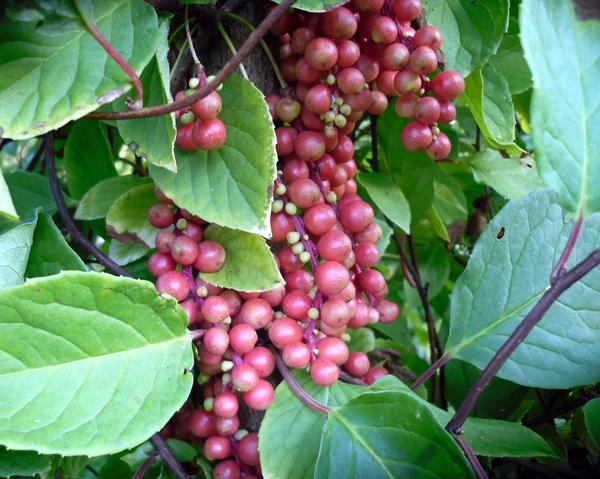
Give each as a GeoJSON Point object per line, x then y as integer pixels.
{"type": "Point", "coordinates": [261, 397]}
{"type": "Point", "coordinates": [324, 373]}
{"type": "Point", "coordinates": [184, 250]}
{"type": "Point", "coordinates": [160, 216]}
{"type": "Point", "coordinates": [174, 284]}
{"type": "Point", "coordinates": [211, 257]}
{"type": "Point", "coordinates": [209, 134]}
{"type": "Point", "coordinates": [321, 53]}
{"type": "Point", "coordinates": [439, 148]}
{"type": "Point", "coordinates": [209, 107]}
{"type": "Point", "coordinates": [331, 277]}
{"type": "Point", "coordinates": [416, 136]}
{"type": "Point", "coordinates": [447, 85]}
{"type": "Point", "coordinates": [339, 24]}
{"type": "Point", "coordinates": [242, 338]}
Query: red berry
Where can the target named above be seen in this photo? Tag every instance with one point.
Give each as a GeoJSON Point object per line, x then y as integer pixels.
{"type": "Point", "coordinates": [440, 147]}
{"type": "Point", "coordinates": [321, 53]}
{"type": "Point", "coordinates": [174, 284]}
{"type": "Point", "coordinates": [406, 10]}
{"type": "Point", "coordinates": [242, 338]}
{"type": "Point", "coordinates": [160, 216]}
{"type": "Point", "coordinates": [184, 250]}
{"type": "Point", "coordinates": [261, 397]}
{"type": "Point", "coordinates": [416, 136]}
{"type": "Point", "coordinates": [339, 24]}
{"type": "Point", "coordinates": [209, 134]}
{"type": "Point", "coordinates": [427, 110]}
{"type": "Point", "coordinates": [208, 107]}
{"type": "Point", "coordinates": [160, 263]}
{"type": "Point", "coordinates": [256, 313]}
{"type": "Point", "coordinates": [216, 341]}
{"type": "Point", "coordinates": [447, 85]}
{"type": "Point", "coordinates": [217, 447]}
{"type": "Point", "coordinates": [284, 331]}
{"type": "Point", "coordinates": [211, 257]}
{"type": "Point", "coordinates": [357, 364]}
{"type": "Point", "coordinates": [248, 450]}
{"type": "Point", "coordinates": [428, 36]}
{"type": "Point", "coordinates": [296, 355]}
{"type": "Point", "coordinates": [331, 277]}
{"type": "Point", "coordinates": [261, 359]}
{"type": "Point", "coordinates": [324, 373]}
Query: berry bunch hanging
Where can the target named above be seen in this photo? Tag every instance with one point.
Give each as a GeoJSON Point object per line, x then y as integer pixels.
{"type": "Point", "coordinates": [199, 126]}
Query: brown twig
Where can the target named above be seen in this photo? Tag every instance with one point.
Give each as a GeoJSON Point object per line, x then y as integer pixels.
{"type": "Point", "coordinates": [158, 442]}
{"type": "Point", "coordinates": [561, 265]}
{"type": "Point", "coordinates": [219, 78]}
{"type": "Point", "coordinates": [471, 457]}
{"type": "Point", "coordinates": [104, 43]}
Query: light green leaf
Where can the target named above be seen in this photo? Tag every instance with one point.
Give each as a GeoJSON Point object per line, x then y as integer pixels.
{"type": "Point", "coordinates": [55, 71]}
{"type": "Point", "coordinates": [125, 253]}
{"type": "Point", "coordinates": [512, 178]}
{"type": "Point", "coordinates": [412, 172]}
{"type": "Point", "coordinates": [155, 135]}
{"type": "Point", "coordinates": [591, 413]}
{"type": "Point", "coordinates": [50, 254]}
{"type": "Point", "coordinates": [127, 218]}
{"type": "Point", "coordinates": [472, 30]}
{"type": "Point", "coordinates": [249, 263]}
{"type": "Point", "coordinates": [6, 204]}
{"type": "Point", "coordinates": [317, 5]}
{"type": "Point", "coordinates": [437, 223]}
{"type": "Point", "coordinates": [104, 363]}
{"type": "Point", "coordinates": [566, 100]}
{"type": "Point", "coordinates": [22, 463]}
{"type": "Point", "coordinates": [388, 197]}
{"type": "Point", "coordinates": [490, 102]}
{"type": "Point", "coordinates": [449, 201]}
{"type": "Point", "coordinates": [293, 456]}
{"type": "Point", "coordinates": [386, 234]}
{"type": "Point", "coordinates": [30, 191]}
{"type": "Point", "coordinates": [361, 339]}
{"type": "Point", "coordinates": [388, 434]}
{"type": "Point", "coordinates": [505, 278]}
{"type": "Point", "coordinates": [230, 186]}
{"type": "Point", "coordinates": [510, 62]}
{"type": "Point", "coordinates": [98, 200]}
{"type": "Point", "coordinates": [88, 157]}
{"type": "Point", "coordinates": [15, 245]}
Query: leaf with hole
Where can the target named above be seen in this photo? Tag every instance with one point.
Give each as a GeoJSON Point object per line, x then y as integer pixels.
{"type": "Point", "coordinates": [230, 186]}
{"type": "Point", "coordinates": [249, 263]}
{"type": "Point", "coordinates": [111, 365]}
{"type": "Point", "coordinates": [56, 45]}
{"type": "Point", "coordinates": [98, 200]}
{"type": "Point", "coordinates": [512, 178]}
{"type": "Point", "coordinates": [472, 31]}
{"type": "Point", "coordinates": [127, 218]}
{"type": "Point", "coordinates": [566, 101]}
{"type": "Point", "coordinates": [507, 274]}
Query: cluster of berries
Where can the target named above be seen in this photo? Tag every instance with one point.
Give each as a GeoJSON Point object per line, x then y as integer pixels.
{"type": "Point", "coordinates": [199, 126]}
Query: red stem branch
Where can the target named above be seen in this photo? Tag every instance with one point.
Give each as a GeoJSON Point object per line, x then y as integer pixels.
{"type": "Point", "coordinates": [561, 265]}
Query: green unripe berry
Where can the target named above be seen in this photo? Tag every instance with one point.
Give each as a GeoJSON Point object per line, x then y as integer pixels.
{"type": "Point", "coordinates": [277, 206]}
{"type": "Point", "coordinates": [226, 366]}
{"type": "Point", "coordinates": [240, 434]}
{"type": "Point", "coordinates": [202, 291]}
{"type": "Point", "coordinates": [340, 121]}
{"type": "Point", "coordinates": [345, 109]}
{"type": "Point", "coordinates": [329, 117]}
{"type": "Point", "coordinates": [291, 209]}
{"type": "Point", "coordinates": [304, 257]}
{"type": "Point", "coordinates": [293, 237]}
{"type": "Point", "coordinates": [313, 313]}
{"type": "Point", "coordinates": [280, 190]}
{"type": "Point", "coordinates": [339, 101]}
{"type": "Point", "coordinates": [298, 248]}
{"type": "Point", "coordinates": [187, 118]}
{"type": "Point", "coordinates": [181, 224]}
{"type": "Point", "coordinates": [208, 404]}
{"type": "Point", "coordinates": [194, 83]}
{"type": "Point", "coordinates": [329, 131]}
{"type": "Point", "coordinates": [331, 197]}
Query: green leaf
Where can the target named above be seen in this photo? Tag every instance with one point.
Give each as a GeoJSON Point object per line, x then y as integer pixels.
{"type": "Point", "coordinates": [317, 5]}
{"type": "Point", "coordinates": [155, 135]}
{"type": "Point", "coordinates": [488, 98]}
{"type": "Point", "coordinates": [412, 172]}
{"type": "Point", "coordinates": [434, 265]}
{"type": "Point", "coordinates": [50, 254]}
{"type": "Point", "coordinates": [104, 363]}
{"type": "Point", "coordinates": [449, 201]}
{"type": "Point", "coordinates": [388, 197]}
{"type": "Point", "coordinates": [55, 71]}
{"type": "Point", "coordinates": [15, 245]}
{"type": "Point", "coordinates": [487, 437]}
{"type": "Point", "coordinates": [6, 203]}
{"type": "Point", "coordinates": [22, 463]}
{"type": "Point", "coordinates": [127, 218]}
{"type": "Point", "coordinates": [249, 263]}
{"type": "Point", "coordinates": [30, 191]}
{"type": "Point", "coordinates": [386, 234]}
{"type": "Point", "coordinates": [510, 61]}
{"type": "Point", "coordinates": [361, 339]}
{"type": "Point", "coordinates": [591, 413]}
{"type": "Point", "coordinates": [98, 200]}
{"type": "Point", "coordinates": [565, 113]}
{"type": "Point", "coordinates": [387, 434]}
{"type": "Point", "coordinates": [472, 30]}
{"type": "Point", "coordinates": [293, 456]}
{"type": "Point", "coordinates": [512, 178]}
{"type": "Point", "coordinates": [230, 186]}
{"type": "Point", "coordinates": [88, 157]}
{"type": "Point", "coordinates": [506, 277]}
{"type": "Point", "coordinates": [125, 253]}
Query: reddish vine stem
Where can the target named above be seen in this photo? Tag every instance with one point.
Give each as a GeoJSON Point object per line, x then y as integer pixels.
{"type": "Point", "coordinates": [219, 78]}
{"type": "Point", "coordinates": [298, 390]}
{"type": "Point", "coordinates": [144, 467]}
{"type": "Point", "coordinates": [157, 441]}
{"type": "Point", "coordinates": [471, 457]}
{"type": "Point", "coordinates": [104, 43]}
{"type": "Point", "coordinates": [430, 372]}
{"type": "Point", "coordinates": [561, 265]}
{"type": "Point", "coordinates": [563, 283]}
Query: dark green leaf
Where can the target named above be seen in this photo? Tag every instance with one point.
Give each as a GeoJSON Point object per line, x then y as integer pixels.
{"type": "Point", "coordinates": [388, 435]}
{"type": "Point", "coordinates": [512, 178]}
{"type": "Point", "coordinates": [88, 157]}
{"type": "Point", "coordinates": [110, 366]}
{"type": "Point", "coordinates": [249, 264]}
{"type": "Point", "coordinates": [155, 135]}
{"type": "Point", "coordinates": [50, 254]}
{"type": "Point", "coordinates": [510, 61]}
{"type": "Point", "coordinates": [504, 279]}
{"type": "Point", "coordinates": [230, 186]}
{"type": "Point", "coordinates": [489, 100]}
{"type": "Point", "coordinates": [30, 191]}
{"type": "Point", "coordinates": [57, 72]}
{"type": "Point", "coordinates": [22, 463]}
{"type": "Point", "coordinates": [388, 197]}
{"type": "Point", "coordinates": [127, 218]}
{"type": "Point", "coordinates": [472, 30]}
{"type": "Point", "coordinates": [592, 419]}
{"type": "Point", "coordinates": [565, 112]}
{"type": "Point", "coordinates": [98, 200]}
{"type": "Point", "coordinates": [361, 339]}
{"type": "Point", "coordinates": [317, 5]}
